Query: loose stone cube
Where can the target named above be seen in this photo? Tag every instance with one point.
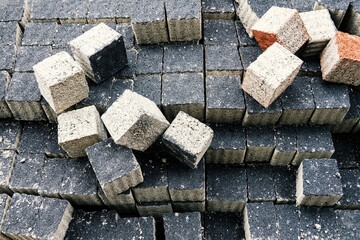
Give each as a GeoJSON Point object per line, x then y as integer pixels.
{"type": "Point", "coordinates": [263, 80]}
{"type": "Point", "coordinates": [318, 183]}
{"type": "Point", "coordinates": [222, 60]}
{"type": "Point", "coordinates": [7, 161]}
{"type": "Point", "coordinates": [80, 129]}
{"type": "Point", "coordinates": [123, 203]}
{"type": "Point", "coordinates": [39, 34]}
{"type": "Point", "coordinates": [4, 82]}
{"type": "Point", "coordinates": [346, 152]}
{"type": "Point", "coordinates": [285, 184]}
{"type": "Point", "coordinates": [102, 11]}
{"type": "Point", "coordinates": [69, 16]}
{"type": "Point", "coordinates": [339, 62]}
{"type": "Point", "coordinates": [126, 31]}
{"type": "Point", "coordinates": [260, 221]}
{"type": "Point", "coordinates": [65, 33]}
{"type": "Point", "coordinates": [188, 139]}
{"type": "Point", "coordinates": [243, 37]}
{"type": "Point", "coordinates": [156, 209]}
{"type": "Point", "coordinates": [149, 87]}
{"type": "Point", "coordinates": [188, 206]}
{"type": "Point", "coordinates": [218, 225]}
{"type": "Point", "coordinates": [215, 9]}
{"type": "Point", "coordinates": [91, 55]}
{"type": "Point", "coordinates": [311, 67]}
{"type": "Point", "coordinates": [348, 224]}
{"type": "Point", "coordinates": [12, 11]}
{"type": "Point", "coordinates": [183, 58]}
{"type": "Point", "coordinates": [61, 81]}
{"type": "Point", "coordinates": [10, 134]}
{"type": "Point", "coordinates": [118, 87]}
{"type": "Point", "coordinates": [337, 9]}
{"type": "Point", "coordinates": [220, 32]}
{"type": "Point", "coordinates": [331, 102]}
{"type": "Point", "coordinates": [183, 92]}
{"type": "Point", "coordinates": [288, 219]}
{"type": "Point", "coordinates": [149, 60]}
{"type": "Point", "coordinates": [226, 199]}
{"type": "Point", "coordinates": [351, 189]}
{"type": "Point", "coordinates": [115, 166]}
{"type": "Point", "coordinates": [228, 145]}
{"type": "Point", "coordinates": [34, 217]}
{"type": "Point", "coordinates": [260, 183]}
{"type": "Point", "coordinates": [321, 29]}
{"type": "Point", "coordinates": [285, 146]}
{"type": "Point", "coordinates": [183, 225]}
{"type": "Point", "coordinates": [42, 11]}
{"type": "Point", "coordinates": [260, 144]}
{"type": "Point", "coordinates": [142, 124]}
{"type": "Point", "coordinates": [184, 20]}
{"type": "Point", "coordinates": [149, 23]}
{"type": "Point", "coordinates": [28, 56]}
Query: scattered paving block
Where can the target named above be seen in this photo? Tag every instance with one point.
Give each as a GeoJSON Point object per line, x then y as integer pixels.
{"type": "Point", "coordinates": [260, 144]}
{"type": "Point", "coordinates": [281, 25]}
{"type": "Point", "coordinates": [249, 55]}
{"type": "Point", "coordinates": [7, 161]}
{"type": "Point", "coordinates": [243, 37]}
{"type": "Point", "coordinates": [222, 60]}
{"type": "Point", "coordinates": [313, 142]}
{"type": "Point", "coordinates": [337, 9]}
{"type": "Point", "coordinates": [261, 186]}
{"type": "Point", "coordinates": [102, 11]}
{"type": "Point", "coordinates": [117, 88]}
{"type": "Point", "coordinates": [220, 32]}
{"type": "Point", "coordinates": [320, 28]}
{"type": "Point", "coordinates": [224, 99]}
{"type": "Point", "coordinates": [61, 81]}
{"type": "Point", "coordinates": [12, 11]}
{"type": "Point", "coordinates": [184, 185]}
{"type": "Point", "coordinates": [228, 145]}
{"type": "Point", "coordinates": [34, 217]}
{"type": "Point", "coordinates": [183, 58]}
{"type": "Point", "coordinates": [79, 129]}
{"type": "Point", "coordinates": [285, 184]}
{"type": "Point", "coordinates": [115, 167]}
{"type": "Point", "coordinates": [226, 199]}
{"type": "Point", "coordinates": [318, 183]}
{"type": "Point", "coordinates": [4, 82]}
{"type": "Point", "coordinates": [311, 67]}
{"type": "Point", "coordinates": [218, 225]}
{"type": "Point", "coordinates": [130, 69]}
{"type": "Point", "coordinates": [285, 146]}
{"type": "Point", "coordinates": [142, 124]}
{"type": "Point", "coordinates": [149, 60]}
{"type": "Point", "coordinates": [217, 9]}
{"type": "Point", "coordinates": [351, 189]}
{"type": "Point", "coordinates": [188, 206]}
{"type": "Point", "coordinates": [42, 11]}
{"type": "Point", "coordinates": [39, 34]}
{"type": "Point", "coordinates": [297, 102]}
{"type": "Point", "coordinates": [7, 57]}
{"type": "Point", "coordinates": [183, 92]}
{"type": "Point", "coordinates": [332, 102]}
{"type": "Point", "coordinates": [288, 220]}
{"type": "Point", "coordinates": [188, 139]}
{"type": "Point", "coordinates": [28, 56]}
{"type": "Point", "coordinates": [348, 223]}
{"type": "Point", "coordinates": [123, 203]}
{"type": "Point", "coordinates": [260, 221]}
{"type": "Point", "coordinates": [67, 14]}
{"type": "Point", "coordinates": [23, 98]}
{"type": "Point", "coordinates": [263, 81]}
{"type": "Point", "coordinates": [126, 31]}
{"type": "Point", "coordinates": [184, 20]}
{"type": "Point", "coordinates": [155, 209]}
{"type": "Point", "coordinates": [346, 151]}
{"type": "Point", "coordinates": [65, 33]}
{"type": "Point", "coordinates": [26, 174]}
{"type": "Point", "coordinates": [148, 22]}
{"type": "Point", "coordinates": [90, 53]}
{"type": "Point", "coordinates": [339, 61]}
{"type": "Point", "coordinates": [129, 228]}
{"type": "Point", "coordinates": [10, 134]}
{"type": "Point", "coordinates": [183, 226]}
{"type": "Point", "coordinates": [149, 87]}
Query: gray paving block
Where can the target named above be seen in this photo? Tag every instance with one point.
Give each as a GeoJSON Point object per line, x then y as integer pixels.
{"type": "Point", "coordinates": [351, 189]}
{"type": "Point", "coordinates": [337, 9]}
{"type": "Point", "coordinates": [28, 56]}
{"type": "Point", "coordinates": [311, 67]}
{"type": "Point", "coordinates": [7, 59]}
{"type": "Point", "coordinates": [289, 221]}
{"type": "Point", "coordinates": [183, 92]}
{"type": "Point", "coordinates": [243, 37]}
{"type": "Point", "coordinates": [219, 225]}
{"type": "Point", "coordinates": [10, 134]}
{"type": "Point", "coordinates": [217, 9]}
{"type": "Point", "coordinates": [7, 161]}
{"type": "Point", "coordinates": [68, 14]}
{"type": "Point", "coordinates": [38, 34]}
{"type": "Point", "coordinates": [260, 144]}
{"type": "Point", "coordinates": [313, 142]}
{"type": "Point", "coordinates": [4, 205]}
{"type": "Point", "coordinates": [260, 221]}
{"type": "Point", "coordinates": [123, 203]}
{"type": "Point", "coordinates": [65, 33]}
{"type": "Point", "coordinates": [222, 60]}
{"type": "Point", "coordinates": [102, 11]}
{"type": "Point", "coordinates": [303, 5]}
{"type": "Point", "coordinates": [183, 226]}
{"type": "Point", "coordinates": [346, 151]}
{"type": "Point", "coordinates": [220, 32]}
{"type": "Point", "coordinates": [231, 198]}
{"type": "Point", "coordinates": [11, 33]}
{"type": "Point", "coordinates": [261, 185]}
{"type": "Point", "coordinates": [285, 146]}
{"type": "Point", "coordinates": [183, 58]}
{"type": "Point", "coordinates": [149, 60]}
{"type": "Point", "coordinates": [126, 31]}
{"type": "Point", "coordinates": [150, 87]}
{"type": "Point", "coordinates": [129, 228]}
{"type": "Point", "coordinates": [285, 184]}
{"type": "Point", "coordinates": [42, 11]}
{"type": "Point", "coordinates": [117, 88]}
{"type": "Point", "coordinates": [249, 54]}
{"type": "Point", "coordinates": [348, 224]}
{"type": "Point", "coordinates": [130, 69]}
{"type": "Point", "coordinates": [12, 10]}
{"type": "Point", "coordinates": [112, 25]}
{"type": "Point", "coordinates": [155, 209]}
{"type": "Point", "coordinates": [188, 206]}
{"type": "Point", "coordinates": [4, 82]}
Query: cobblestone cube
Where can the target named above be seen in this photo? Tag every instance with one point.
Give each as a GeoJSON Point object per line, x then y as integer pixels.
{"type": "Point", "coordinates": [260, 181]}
{"type": "Point", "coordinates": [218, 9]}
{"type": "Point", "coordinates": [12, 11]}
{"type": "Point", "coordinates": [7, 58]}
{"type": "Point", "coordinates": [218, 225]}
{"type": "Point", "coordinates": [149, 87]}
{"type": "Point", "coordinates": [346, 151]}
{"type": "Point", "coordinates": [130, 69]}
{"type": "Point", "coordinates": [260, 144]}
{"type": "Point", "coordinates": [38, 34]}
{"type": "Point", "coordinates": [188, 206]}
{"type": "Point", "coordinates": [222, 60]}
{"type": "Point", "coordinates": [183, 58]}
{"type": "Point", "coordinates": [285, 146]}
{"type": "Point", "coordinates": [117, 88]}
{"type": "Point", "coordinates": [28, 56]}
{"type": "Point", "coordinates": [219, 32]}
{"type": "Point", "coordinates": [42, 11]}
{"type": "Point", "coordinates": [4, 108]}
{"type": "Point", "coordinates": [249, 55]}
{"type": "Point", "coordinates": [337, 9]}
{"type": "Point", "coordinates": [183, 225]}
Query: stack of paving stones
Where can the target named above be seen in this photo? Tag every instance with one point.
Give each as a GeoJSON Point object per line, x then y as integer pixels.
{"type": "Point", "coordinates": [287, 171]}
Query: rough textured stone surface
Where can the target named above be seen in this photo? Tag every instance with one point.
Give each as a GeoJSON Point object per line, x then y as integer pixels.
{"type": "Point", "coordinates": [219, 32]}
{"type": "Point", "coordinates": [219, 225]}
{"type": "Point", "coordinates": [102, 11]}
{"type": "Point", "coordinates": [149, 87]}
{"type": "Point", "coordinates": [129, 228]}
{"type": "Point", "coordinates": [285, 146]}
{"type": "Point", "coordinates": [38, 34]}
{"type": "Point", "coordinates": [260, 144]}
{"type": "Point", "coordinates": [311, 67]}
{"type": "Point", "coordinates": [28, 56]}
{"type": "Point", "coordinates": [188, 206]}
{"type": "Point", "coordinates": [117, 88]}
{"type": "Point", "coordinates": [218, 9]}
{"type": "Point", "coordinates": [183, 226]}
{"type": "Point", "coordinates": [350, 24]}
{"type": "Point", "coordinates": [129, 70]}
{"type": "Point", "coordinates": [11, 10]}
{"type": "Point", "coordinates": [260, 183]}
{"type": "Point", "coordinates": [64, 33]}
{"type": "Point", "coordinates": [123, 203]}
{"type": "Point", "coordinates": [69, 16]}
{"type": "Point", "coordinates": [288, 220]}
{"type": "Point", "coordinates": [348, 224]}
{"type": "Point", "coordinates": [7, 58]}
{"type": "Point", "coordinates": [126, 31]}
{"type": "Point", "coordinates": [222, 60]}
{"type": "Point", "coordinates": [10, 134]}
{"type": "Point", "coordinates": [351, 189]}
{"type": "Point", "coordinates": [337, 9]}
{"type": "Point", "coordinates": [346, 150]}
{"type": "Point", "coordinates": [4, 82]}
{"type": "Point", "coordinates": [7, 161]}
{"type": "Point", "coordinates": [149, 60]}
{"type": "Point", "coordinates": [156, 209]}
{"type": "Point", "coordinates": [243, 37]}
{"type": "Point", "coordinates": [285, 184]}
{"type": "Point", "coordinates": [183, 58]}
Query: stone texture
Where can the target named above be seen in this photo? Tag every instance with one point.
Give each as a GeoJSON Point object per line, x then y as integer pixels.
{"type": "Point", "coordinates": [346, 150]}
{"type": "Point", "coordinates": [218, 9]}
{"type": "Point", "coordinates": [155, 209]}
{"type": "Point", "coordinates": [7, 161]}
{"type": "Point", "coordinates": [123, 203]}
{"type": "Point", "coordinates": [220, 32]}
{"type": "Point", "coordinates": [10, 134]}
{"type": "Point", "coordinates": [260, 144]}
{"type": "Point", "coordinates": [285, 146]}
{"type": "Point", "coordinates": [28, 56]}
{"type": "Point", "coordinates": [183, 226]}
{"type": "Point", "coordinates": [261, 186]}
{"type": "Point", "coordinates": [149, 60]}
{"type": "Point", "coordinates": [42, 11]}
{"type": "Point", "coordinates": [149, 87]}
{"type": "Point", "coordinates": [64, 33]}
{"type": "Point", "coordinates": [69, 16]}
{"type": "Point", "coordinates": [285, 184]}
{"type": "Point", "coordinates": [126, 31]}
{"type": "Point", "coordinates": [4, 83]}
{"type": "Point", "coordinates": [348, 224]}
{"type": "Point", "coordinates": [219, 225]}
{"type": "Point", "coordinates": [222, 60]}
{"type": "Point", "coordinates": [337, 9]}
{"type": "Point", "coordinates": [351, 21]}
{"type": "Point", "coordinates": [288, 220]}
{"type": "Point", "coordinates": [351, 189]}
{"type": "Point", "coordinates": [102, 11]}
{"type": "Point", "coordinates": [243, 37]}
{"type": "Point", "coordinates": [129, 228]}
{"type": "Point", "coordinates": [38, 34]}
{"type": "Point", "coordinates": [183, 58]}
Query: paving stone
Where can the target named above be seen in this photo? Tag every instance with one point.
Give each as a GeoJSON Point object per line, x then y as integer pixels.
{"type": "Point", "coordinates": [188, 206]}
{"type": "Point", "coordinates": [219, 32]}
{"type": "Point", "coordinates": [219, 225]}
{"type": "Point", "coordinates": [261, 186]}
{"type": "Point", "coordinates": [130, 69]}
{"type": "Point", "coordinates": [285, 146]}
{"type": "Point", "coordinates": [249, 55]}
{"type": "Point", "coordinates": [260, 221]}
{"type": "Point", "coordinates": [26, 174]}
{"type": "Point", "coordinates": [10, 134]}
{"type": "Point", "coordinates": [28, 56]}
{"type": "Point", "coordinates": [149, 87]}
{"type": "Point", "coordinates": [348, 224]}
{"type": "Point", "coordinates": [34, 217]}
{"type": "Point", "coordinates": [102, 11]}
{"type": "Point", "coordinates": [129, 228]}
{"type": "Point", "coordinates": [346, 151]}
{"type": "Point", "coordinates": [226, 199]}
{"type": "Point", "coordinates": [320, 28]}
{"type": "Point", "coordinates": [11, 10]}
{"type": "Point", "coordinates": [260, 144]}
{"type": "Point", "coordinates": [123, 203]}
{"type": "Point", "coordinates": [297, 102]}
{"type": "Point", "coordinates": [311, 67]}
{"type": "Point", "coordinates": [222, 60]}
{"type": "Point", "coordinates": [155, 209]}
{"type": "Point", "coordinates": [184, 20]}
{"type": "Point", "coordinates": [183, 58]}
{"type": "Point", "coordinates": [4, 204]}
{"type": "Point", "coordinates": [142, 124]}
{"type": "Point", "coordinates": [331, 102]}
{"type": "Point", "coordinates": [264, 81]}
{"type": "Point", "coordinates": [288, 220]}
{"type": "Point", "coordinates": [79, 129]}
{"type": "Point", "coordinates": [38, 34]}
{"type": "Point", "coordinates": [303, 5]}
{"type": "Point", "coordinates": [61, 81]}
{"type": "Point", "coordinates": [7, 161]}
{"type": "Point", "coordinates": [183, 226]}
{"type": "Point", "coordinates": [337, 9]}
{"type": "Point", "coordinates": [217, 9]}
{"type": "Point", "coordinates": [74, 11]}
{"type": "Point", "coordinates": [228, 145]}
{"type": "Point", "coordinates": [11, 33]}
{"type": "Point", "coordinates": [243, 37]}
{"type": "Point", "coordinates": [149, 60]}
{"type": "Point", "coordinates": [126, 31]}
{"type": "Point", "coordinates": [23, 98]}
{"type": "Point", "coordinates": [7, 57]}
{"type": "Point", "coordinates": [117, 88]}
{"type": "Point", "coordinates": [350, 22]}
{"type": "Point", "coordinates": [87, 27]}
{"type": "Point", "coordinates": [42, 11]}
{"type": "Point", "coordinates": [149, 23]}
{"type": "Point", "coordinates": [351, 189]}
{"type": "Point", "coordinates": [285, 184]}
{"type": "Point", "coordinates": [187, 139]}
{"type": "Point", "coordinates": [4, 108]}
{"type": "Point", "coordinates": [65, 33]}
{"type": "Point", "coordinates": [318, 223]}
